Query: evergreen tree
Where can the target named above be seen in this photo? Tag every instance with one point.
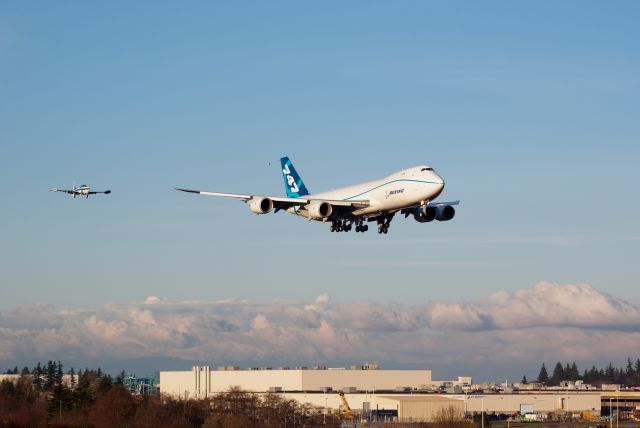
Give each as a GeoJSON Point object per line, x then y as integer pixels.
{"type": "Point", "coordinates": [558, 374]}
{"type": "Point", "coordinates": [524, 380]}
{"type": "Point", "coordinates": [105, 382]}
{"type": "Point", "coordinates": [7, 388]}
{"type": "Point", "coordinates": [120, 378]}
{"type": "Point", "coordinates": [37, 376]}
{"type": "Point", "coordinates": [610, 373]}
{"type": "Point", "coordinates": [72, 375]}
{"type": "Point", "coordinates": [60, 400]}
{"type": "Point", "coordinates": [50, 373]}
{"type": "Point", "coordinates": [543, 376]}
{"type": "Point", "coordinates": [82, 396]}
{"type": "Point", "coordinates": [59, 374]}
{"type": "Point", "coordinates": [574, 373]}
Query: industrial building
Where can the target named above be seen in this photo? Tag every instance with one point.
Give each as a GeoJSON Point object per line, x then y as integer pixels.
{"type": "Point", "coordinates": [407, 395]}
{"type": "Point", "coordinates": [201, 381]}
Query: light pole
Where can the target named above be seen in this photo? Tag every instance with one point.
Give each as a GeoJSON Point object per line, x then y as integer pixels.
{"type": "Point", "coordinates": [610, 413]}
{"type": "Point", "coordinates": [324, 416]}
{"type": "Point", "coordinates": [465, 404]}
{"type": "Point", "coordinates": [481, 397]}
{"type": "Point", "coordinates": [617, 406]}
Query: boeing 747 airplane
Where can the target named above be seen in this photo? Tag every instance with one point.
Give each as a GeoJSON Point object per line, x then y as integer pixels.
{"type": "Point", "coordinates": [410, 192]}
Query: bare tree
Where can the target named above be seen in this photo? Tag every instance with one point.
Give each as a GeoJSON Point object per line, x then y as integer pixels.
{"type": "Point", "coordinates": [449, 417]}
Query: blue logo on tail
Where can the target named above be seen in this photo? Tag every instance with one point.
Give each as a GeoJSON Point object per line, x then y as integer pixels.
{"type": "Point", "coordinates": [292, 181]}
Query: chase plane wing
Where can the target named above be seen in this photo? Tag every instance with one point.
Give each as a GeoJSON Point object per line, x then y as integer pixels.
{"type": "Point", "coordinates": [70, 192]}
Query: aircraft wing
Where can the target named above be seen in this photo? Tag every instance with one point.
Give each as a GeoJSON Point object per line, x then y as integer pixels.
{"type": "Point", "coordinates": [440, 204]}
{"type": "Point", "coordinates": [106, 192]}
{"type": "Point", "coordinates": [70, 192]}
{"type": "Point", "coordinates": [280, 202]}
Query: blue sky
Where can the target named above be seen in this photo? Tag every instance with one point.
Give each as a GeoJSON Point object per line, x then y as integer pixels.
{"type": "Point", "coordinates": [529, 110]}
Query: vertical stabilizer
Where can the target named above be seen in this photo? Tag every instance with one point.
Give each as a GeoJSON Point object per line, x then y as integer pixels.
{"type": "Point", "coordinates": [292, 182]}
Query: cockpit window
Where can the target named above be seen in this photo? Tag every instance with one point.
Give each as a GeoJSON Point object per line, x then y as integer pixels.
{"type": "Point", "coordinates": [426, 169]}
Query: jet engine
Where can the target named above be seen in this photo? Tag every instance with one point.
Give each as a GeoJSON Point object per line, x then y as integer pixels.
{"type": "Point", "coordinates": [319, 210]}
{"type": "Point", "coordinates": [260, 205]}
{"type": "Point", "coordinates": [445, 213]}
{"type": "Point", "coordinates": [425, 214]}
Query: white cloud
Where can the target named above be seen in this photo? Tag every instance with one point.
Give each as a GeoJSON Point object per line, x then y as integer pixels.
{"type": "Point", "coordinates": [154, 300]}
{"type": "Point", "coordinates": [546, 321]}
{"type": "Point", "coordinates": [546, 304]}
{"type": "Point", "coordinates": [260, 322]}
{"type": "Point", "coordinates": [323, 299]}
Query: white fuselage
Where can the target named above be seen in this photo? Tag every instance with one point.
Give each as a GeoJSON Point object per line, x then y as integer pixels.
{"type": "Point", "coordinates": [403, 189]}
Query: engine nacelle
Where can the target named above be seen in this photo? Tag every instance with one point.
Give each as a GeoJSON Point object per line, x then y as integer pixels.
{"type": "Point", "coordinates": [260, 205]}
{"type": "Point", "coordinates": [445, 213]}
{"type": "Point", "coordinates": [425, 215]}
{"type": "Point", "coordinates": [319, 210]}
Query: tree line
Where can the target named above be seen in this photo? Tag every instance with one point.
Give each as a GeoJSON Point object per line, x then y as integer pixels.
{"type": "Point", "coordinates": [627, 376]}
{"type": "Point", "coordinates": [92, 398]}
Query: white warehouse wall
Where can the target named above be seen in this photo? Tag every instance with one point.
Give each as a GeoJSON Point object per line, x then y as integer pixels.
{"type": "Point", "coordinates": [201, 381]}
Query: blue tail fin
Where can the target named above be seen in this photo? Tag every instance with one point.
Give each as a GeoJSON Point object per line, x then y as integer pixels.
{"type": "Point", "coordinates": [292, 181]}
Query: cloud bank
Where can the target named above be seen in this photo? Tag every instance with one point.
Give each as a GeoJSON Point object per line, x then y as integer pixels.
{"type": "Point", "coordinates": [547, 321]}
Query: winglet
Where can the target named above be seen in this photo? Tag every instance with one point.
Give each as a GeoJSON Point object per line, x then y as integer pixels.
{"type": "Point", "coordinates": [292, 182]}
{"type": "Point", "coordinates": [186, 190]}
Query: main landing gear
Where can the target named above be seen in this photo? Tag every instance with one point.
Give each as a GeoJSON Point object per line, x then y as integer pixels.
{"type": "Point", "coordinates": [360, 227]}
{"type": "Point", "coordinates": [383, 224]}
{"type": "Point", "coordinates": [346, 225]}
{"type": "Point", "coordinates": [340, 226]}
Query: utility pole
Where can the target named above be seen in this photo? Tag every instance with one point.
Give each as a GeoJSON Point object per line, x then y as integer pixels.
{"type": "Point", "coordinates": [610, 413]}
{"type": "Point", "coordinates": [617, 406]}
{"type": "Point", "coordinates": [324, 416]}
